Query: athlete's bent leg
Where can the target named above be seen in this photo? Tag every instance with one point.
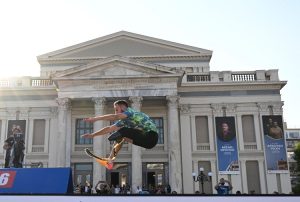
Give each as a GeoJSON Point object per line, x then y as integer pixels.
{"type": "Point", "coordinates": [116, 148]}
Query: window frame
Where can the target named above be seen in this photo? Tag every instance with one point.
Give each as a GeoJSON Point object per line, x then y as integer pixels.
{"type": "Point", "coordinates": [79, 130]}
{"type": "Point", "coordinates": [160, 128]}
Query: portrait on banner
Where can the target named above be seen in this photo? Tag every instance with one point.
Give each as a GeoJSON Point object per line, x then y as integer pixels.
{"type": "Point", "coordinates": [228, 162]}
{"type": "Point", "coordinates": [275, 149]}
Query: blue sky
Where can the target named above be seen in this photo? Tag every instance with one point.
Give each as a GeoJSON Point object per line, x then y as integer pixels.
{"type": "Point", "coordinates": [244, 35]}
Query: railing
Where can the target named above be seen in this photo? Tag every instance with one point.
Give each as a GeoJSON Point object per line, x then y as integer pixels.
{"type": "Point", "coordinates": [243, 77]}
{"type": "Point", "coordinates": [197, 78]}
{"type": "Point", "coordinates": [203, 146]}
{"type": "Point", "coordinates": [41, 82]}
{"type": "Point", "coordinates": [250, 146]}
{"type": "Point", "coordinates": [231, 76]}
{"type": "Point", "coordinates": [4, 83]}
{"type": "Point", "coordinates": [38, 148]}
{"type": "Point", "coordinates": [25, 82]}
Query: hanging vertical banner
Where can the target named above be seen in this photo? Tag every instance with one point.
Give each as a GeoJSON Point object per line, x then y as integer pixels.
{"type": "Point", "coordinates": [15, 144]}
{"type": "Point", "coordinates": [228, 162]}
{"type": "Point", "coordinates": [275, 150]}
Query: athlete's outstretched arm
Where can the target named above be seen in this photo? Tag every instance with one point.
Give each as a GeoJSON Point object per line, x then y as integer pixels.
{"type": "Point", "coordinates": [108, 117]}
{"type": "Point", "coordinates": [102, 131]}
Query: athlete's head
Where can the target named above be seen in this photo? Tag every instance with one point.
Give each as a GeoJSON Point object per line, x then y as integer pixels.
{"type": "Point", "coordinates": [120, 106]}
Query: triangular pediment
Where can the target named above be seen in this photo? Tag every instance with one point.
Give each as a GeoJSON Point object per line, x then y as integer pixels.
{"type": "Point", "coordinates": [125, 44]}
{"type": "Point", "coordinates": [115, 67]}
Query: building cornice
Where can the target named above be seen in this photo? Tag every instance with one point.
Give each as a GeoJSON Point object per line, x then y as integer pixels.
{"type": "Point", "coordinates": [85, 60]}
{"type": "Point", "coordinates": [229, 86]}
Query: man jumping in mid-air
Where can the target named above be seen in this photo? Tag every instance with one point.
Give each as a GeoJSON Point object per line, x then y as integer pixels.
{"type": "Point", "coordinates": [132, 126]}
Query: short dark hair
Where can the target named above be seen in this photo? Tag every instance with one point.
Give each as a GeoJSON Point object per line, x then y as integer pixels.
{"type": "Point", "coordinates": [121, 102]}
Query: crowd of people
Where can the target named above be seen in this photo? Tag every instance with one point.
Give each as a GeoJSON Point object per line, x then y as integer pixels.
{"type": "Point", "coordinates": [223, 187]}
{"type": "Point", "coordinates": [103, 188]}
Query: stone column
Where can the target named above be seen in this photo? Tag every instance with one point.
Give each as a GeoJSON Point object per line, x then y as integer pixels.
{"type": "Point", "coordinates": [244, 176]}
{"type": "Point", "coordinates": [136, 152]}
{"type": "Point", "coordinates": [3, 134]}
{"type": "Point", "coordinates": [262, 175]}
{"type": "Point", "coordinates": [187, 170]}
{"type": "Point", "coordinates": [257, 131]}
{"type": "Point", "coordinates": [99, 141]}
{"type": "Point", "coordinates": [175, 170]}
{"type": "Point", "coordinates": [53, 137]}
{"type": "Point", "coordinates": [62, 149]}
{"type": "Point", "coordinates": [240, 137]}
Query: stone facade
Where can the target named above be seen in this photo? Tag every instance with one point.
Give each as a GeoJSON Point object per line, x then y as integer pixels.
{"type": "Point", "coordinates": [168, 81]}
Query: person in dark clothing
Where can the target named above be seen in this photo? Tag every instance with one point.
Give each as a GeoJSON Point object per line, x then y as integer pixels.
{"type": "Point", "coordinates": [8, 144]}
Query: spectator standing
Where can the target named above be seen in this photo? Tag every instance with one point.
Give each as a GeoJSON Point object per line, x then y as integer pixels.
{"type": "Point", "coordinates": [223, 187]}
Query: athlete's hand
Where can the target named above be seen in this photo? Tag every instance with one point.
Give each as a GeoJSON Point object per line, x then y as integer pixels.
{"type": "Point", "coordinates": [87, 136]}
{"type": "Point", "coordinates": [91, 119]}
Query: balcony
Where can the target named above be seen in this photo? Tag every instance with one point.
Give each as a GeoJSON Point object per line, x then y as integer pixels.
{"type": "Point", "coordinates": [26, 82]}
{"type": "Point", "coordinates": [229, 76]}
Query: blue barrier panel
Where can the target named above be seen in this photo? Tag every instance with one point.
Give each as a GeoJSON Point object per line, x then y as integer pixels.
{"type": "Point", "coordinates": [36, 180]}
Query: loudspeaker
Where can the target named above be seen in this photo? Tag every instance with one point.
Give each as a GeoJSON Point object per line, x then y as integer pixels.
{"type": "Point", "coordinates": [36, 180]}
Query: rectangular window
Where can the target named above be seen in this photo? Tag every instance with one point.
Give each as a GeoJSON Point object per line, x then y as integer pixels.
{"type": "Point", "coordinates": [295, 135]}
{"type": "Point", "coordinates": [248, 128]}
{"type": "Point", "coordinates": [160, 127]}
{"type": "Point", "coordinates": [38, 132]}
{"type": "Point", "coordinates": [83, 127]}
{"type": "Point", "coordinates": [202, 135]}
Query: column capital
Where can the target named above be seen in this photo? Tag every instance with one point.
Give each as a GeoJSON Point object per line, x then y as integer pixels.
{"type": "Point", "coordinates": [172, 100]}
{"type": "Point", "coordinates": [99, 100]}
{"type": "Point", "coordinates": [136, 101]}
{"type": "Point", "coordinates": [24, 111]}
{"type": "Point", "coordinates": [263, 106]}
{"type": "Point", "coordinates": [63, 103]}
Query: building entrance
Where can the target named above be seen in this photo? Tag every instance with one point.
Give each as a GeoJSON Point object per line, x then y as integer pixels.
{"type": "Point", "coordinates": [155, 174]}
{"type": "Point", "coordinates": [114, 178]}
{"type": "Point", "coordinates": [119, 176]}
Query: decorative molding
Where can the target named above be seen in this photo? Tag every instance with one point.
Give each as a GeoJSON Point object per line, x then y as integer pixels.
{"type": "Point", "coordinates": [202, 57]}
{"type": "Point", "coordinates": [54, 111]}
{"type": "Point", "coordinates": [224, 108]}
{"type": "Point", "coordinates": [136, 102]}
{"type": "Point", "coordinates": [121, 83]}
{"type": "Point", "coordinates": [265, 106]}
{"type": "Point", "coordinates": [17, 112]}
{"type": "Point", "coordinates": [185, 108]}
{"type": "Point", "coordinates": [231, 86]}
{"type": "Point", "coordinates": [230, 107]}
{"type": "Point", "coordinates": [172, 100]}
{"type": "Point", "coordinates": [277, 107]}
{"type": "Point", "coordinates": [10, 112]}
{"type": "Point", "coordinates": [99, 102]}
{"type": "Point", "coordinates": [24, 112]}
{"type": "Point", "coordinates": [216, 108]}
{"type": "Point", "coordinates": [63, 103]}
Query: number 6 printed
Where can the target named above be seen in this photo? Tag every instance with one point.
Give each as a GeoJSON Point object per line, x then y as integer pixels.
{"type": "Point", "coordinates": [4, 178]}
{"type": "Point", "coordinates": [7, 179]}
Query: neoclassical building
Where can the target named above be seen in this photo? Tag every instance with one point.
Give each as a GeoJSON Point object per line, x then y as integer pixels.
{"type": "Point", "coordinates": [171, 82]}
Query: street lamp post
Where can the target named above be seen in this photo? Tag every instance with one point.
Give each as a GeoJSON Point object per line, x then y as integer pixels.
{"type": "Point", "coordinates": [201, 178]}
